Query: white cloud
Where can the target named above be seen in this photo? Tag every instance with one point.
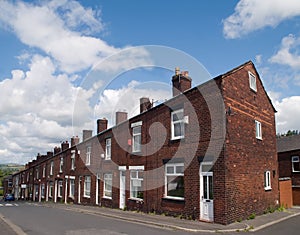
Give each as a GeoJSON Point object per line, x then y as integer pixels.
{"type": "Point", "coordinates": [287, 54]}
{"type": "Point", "coordinates": [36, 109]}
{"type": "Point", "coordinates": [288, 112]}
{"type": "Point", "coordinates": [251, 15]}
{"type": "Point", "coordinates": [128, 98]}
{"type": "Point", "coordinates": [52, 27]}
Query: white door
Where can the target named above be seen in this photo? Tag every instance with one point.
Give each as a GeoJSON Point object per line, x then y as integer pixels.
{"type": "Point", "coordinates": [122, 189]}
{"type": "Point", "coordinates": [206, 192]}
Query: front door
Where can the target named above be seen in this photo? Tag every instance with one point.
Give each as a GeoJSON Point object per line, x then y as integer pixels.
{"type": "Point", "coordinates": [122, 189]}
{"type": "Point", "coordinates": [206, 192]}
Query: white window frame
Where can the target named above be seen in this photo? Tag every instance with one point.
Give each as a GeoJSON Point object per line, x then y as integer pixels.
{"type": "Point", "coordinates": [50, 194]}
{"type": "Point", "coordinates": [59, 188]}
{"type": "Point", "coordinates": [42, 190]}
{"type": "Point", "coordinates": [51, 168]}
{"type": "Point", "coordinates": [108, 149]}
{"type": "Point", "coordinates": [295, 159]}
{"type": "Point", "coordinates": [267, 180]}
{"type": "Point", "coordinates": [88, 155]}
{"type": "Point", "coordinates": [87, 186]}
{"type": "Point", "coordinates": [172, 174]}
{"type": "Point", "coordinates": [136, 177]}
{"type": "Point", "coordinates": [136, 139]}
{"type": "Point", "coordinates": [72, 188]}
{"type": "Point", "coordinates": [73, 161]}
{"type": "Point", "coordinates": [252, 81]}
{"type": "Point", "coordinates": [44, 171]}
{"type": "Point", "coordinates": [107, 185]}
{"type": "Point", "coordinates": [180, 121]}
{"type": "Point", "coordinates": [37, 173]}
{"type": "Point", "coordinates": [258, 130]}
{"type": "Point", "coordinates": [61, 164]}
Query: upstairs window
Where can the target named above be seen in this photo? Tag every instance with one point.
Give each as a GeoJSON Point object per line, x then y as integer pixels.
{"type": "Point", "coordinates": [88, 155]}
{"type": "Point", "coordinates": [252, 81]}
{"type": "Point", "coordinates": [44, 171]}
{"type": "Point", "coordinates": [295, 164]}
{"type": "Point", "coordinates": [258, 130]}
{"type": "Point", "coordinates": [267, 180]}
{"type": "Point", "coordinates": [174, 180]}
{"type": "Point", "coordinates": [177, 124]}
{"type": "Point", "coordinates": [108, 149]}
{"type": "Point", "coordinates": [51, 169]}
{"type": "Point", "coordinates": [73, 161]}
{"type": "Point", "coordinates": [136, 138]}
{"type": "Point", "coordinates": [61, 164]}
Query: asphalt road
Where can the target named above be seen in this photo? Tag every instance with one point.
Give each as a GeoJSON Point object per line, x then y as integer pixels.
{"type": "Point", "coordinates": [39, 220]}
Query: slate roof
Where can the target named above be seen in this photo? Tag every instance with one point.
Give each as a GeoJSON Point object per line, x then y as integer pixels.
{"type": "Point", "coordinates": [288, 143]}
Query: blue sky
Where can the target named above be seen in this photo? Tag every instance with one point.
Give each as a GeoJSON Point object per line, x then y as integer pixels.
{"type": "Point", "coordinates": [57, 60]}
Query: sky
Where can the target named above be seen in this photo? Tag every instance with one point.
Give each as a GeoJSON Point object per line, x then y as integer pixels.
{"type": "Point", "coordinates": [65, 63]}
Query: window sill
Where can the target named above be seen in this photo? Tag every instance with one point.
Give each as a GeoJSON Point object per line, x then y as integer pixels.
{"type": "Point", "coordinates": [85, 196]}
{"type": "Point", "coordinates": [259, 138]}
{"type": "Point", "coordinates": [72, 197]}
{"type": "Point", "coordinates": [268, 188]}
{"type": "Point", "coordinates": [136, 199]}
{"type": "Point", "coordinates": [107, 198]}
{"type": "Point", "coordinates": [173, 198]}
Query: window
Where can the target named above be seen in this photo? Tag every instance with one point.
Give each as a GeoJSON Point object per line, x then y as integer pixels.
{"type": "Point", "coordinates": [37, 173]}
{"type": "Point", "coordinates": [73, 161]}
{"type": "Point", "coordinates": [72, 188]}
{"type": "Point", "coordinates": [268, 180]}
{"type": "Point", "coordinates": [87, 186]}
{"type": "Point", "coordinates": [136, 138]}
{"type": "Point", "coordinates": [60, 188]}
{"type": "Point", "coordinates": [108, 149]}
{"type": "Point", "coordinates": [50, 189]}
{"type": "Point", "coordinates": [174, 180]}
{"type": "Point", "coordinates": [252, 81]}
{"type": "Point", "coordinates": [61, 164]}
{"type": "Point", "coordinates": [258, 130]}
{"type": "Point", "coordinates": [44, 171]}
{"type": "Point", "coordinates": [177, 124]}
{"type": "Point", "coordinates": [51, 168]}
{"type": "Point", "coordinates": [43, 190]}
{"type": "Point", "coordinates": [88, 155]}
{"type": "Point", "coordinates": [295, 164]}
{"type": "Point", "coordinates": [107, 185]}
{"type": "Point", "coordinates": [136, 184]}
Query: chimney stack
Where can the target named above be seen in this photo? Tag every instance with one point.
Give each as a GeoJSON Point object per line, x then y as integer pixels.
{"type": "Point", "coordinates": [181, 82]}
{"type": "Point", "coordinates": [74, 141]}
{"type": "Point", "coordinates": [145, 104]}
{"type": "Point", "coordinates": [64, 145]}
{"type": "Point", "coordinates": [101, 125]}
{"type": "Point", "coordinates": [49, 154]}
{"type": "Point", "coordinates": [120, 117]}
{"type": "Point", "coordinates": [86, 134]}
{"type": "Point", "coordinates": [56, 150]}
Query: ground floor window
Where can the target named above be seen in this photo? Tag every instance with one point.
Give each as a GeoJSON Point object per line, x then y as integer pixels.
{"type": "Point", "coordinates": [60, 188]}
{"type": "Point", "coordinates": [50, 189]}
{"type": "Point", "coordinates": [267, 180]}
{"type": "Point", "coordinates": [107, 185]}
{"type": "Point", "coordinates": [174, 180]}
{"type": "Point", "coordinates": [87, 186]}
{"type": "Point", "coordinates": [43, 190]}
{"type": "Point", "coordinates": [136, 184]}
{"type": "Point", "coordinates": [72, 188]}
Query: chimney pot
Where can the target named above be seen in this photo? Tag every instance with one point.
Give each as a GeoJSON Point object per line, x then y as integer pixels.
{"type": "Point", "coordinates": [145, 104]}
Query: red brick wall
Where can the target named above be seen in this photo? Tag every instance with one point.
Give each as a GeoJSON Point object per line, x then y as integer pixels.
{"type": "Point", "coordinates": [247, 158]}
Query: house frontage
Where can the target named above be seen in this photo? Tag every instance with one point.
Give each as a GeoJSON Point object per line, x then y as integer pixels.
{"type": "Point", "coordinates": [208, 153]}
{"type": "Point", "coordinates": [288, 148]}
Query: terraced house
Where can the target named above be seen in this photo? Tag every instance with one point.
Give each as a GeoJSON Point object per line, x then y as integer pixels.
{"type": "Point", "coordinates": [208, 153]}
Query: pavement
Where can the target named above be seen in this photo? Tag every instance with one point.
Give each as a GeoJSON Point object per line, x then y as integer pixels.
{"type": "Point", "coordinates": [259, 222]}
